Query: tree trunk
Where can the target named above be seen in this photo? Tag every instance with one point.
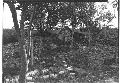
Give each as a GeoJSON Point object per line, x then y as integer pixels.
{"type": "Point", "coordinates": [22, 47]}
{"type": "Point", "coordinates": [89, 38]}
{"type": "Point", "coordinates": [73, 25]}
{"type": "Point", "coordinates": [15, 21]}
{"type": "Point", "coordinates": [20, 35]}
{"type": "Point", "coordinates": [32, 57]}
{"type": "Point", "coordinates": [105, 32]}
{"type": "Point", "coordinates": [29, 48]}
{"type": "Point", "coordinates": [23, 63]}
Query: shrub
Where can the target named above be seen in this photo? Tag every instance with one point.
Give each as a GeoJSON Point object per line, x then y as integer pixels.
{"type": "Point", "coordinates": [112, 37]}
{"type": "Point", "coordinates": [9, 36]}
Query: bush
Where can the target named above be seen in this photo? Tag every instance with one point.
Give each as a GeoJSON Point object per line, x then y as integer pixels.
{"type": "Point", "coordinates": [9, 36]}
{"type": "Point", "coordinates": [97, 54]}
{"type": "Point", "coordinates": [112, 37]}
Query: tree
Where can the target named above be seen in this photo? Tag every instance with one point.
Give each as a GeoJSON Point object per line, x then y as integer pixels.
{"type": "Point", "coordinates": [20, 35]}
{"type": "Point", "coordinates": [56, 11]}
{"type": "Point", "coordinates": [49, 14]}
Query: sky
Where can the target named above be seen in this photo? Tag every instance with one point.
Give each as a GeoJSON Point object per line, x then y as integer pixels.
{"type": "Point", "coordinates": [7, 17]}
{"type": "Point", "coordinates": [114, 11]}
{"type": "Point", "coordinates": [8, 21]}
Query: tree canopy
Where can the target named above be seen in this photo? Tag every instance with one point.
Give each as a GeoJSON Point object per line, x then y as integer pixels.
{"type": "Point", "coordinates": [49, 14]}
{"type": "Point", "coordinates": [46, 54]}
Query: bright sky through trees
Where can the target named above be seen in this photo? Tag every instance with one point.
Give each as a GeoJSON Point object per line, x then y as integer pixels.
{"type": "Point", "coordinates": [7, 17]}
{"type": "Point", "coordinates": [8, 22]}
{"type": "Point", "coordinates": [110, 8]}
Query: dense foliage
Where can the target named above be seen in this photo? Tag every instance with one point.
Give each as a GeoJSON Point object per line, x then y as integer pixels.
{"type": "Point", "coordinates": [65, 54]}
{"type": "Point", "coordinates": [9, 36]}
{"type": "Point", "coordinates": [109, 37]}
{"type": "Point", "coordinates": [49, 55]}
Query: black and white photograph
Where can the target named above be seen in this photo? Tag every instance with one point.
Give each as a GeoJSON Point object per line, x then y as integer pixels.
{"type": "Point", "coordinates": [60, 41]}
